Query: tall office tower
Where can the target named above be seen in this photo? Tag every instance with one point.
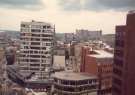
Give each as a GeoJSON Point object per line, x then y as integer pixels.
{"type": "Point", "coordinates": [124, 58]}
{"type": "Point", "coordinates": [36, 48]}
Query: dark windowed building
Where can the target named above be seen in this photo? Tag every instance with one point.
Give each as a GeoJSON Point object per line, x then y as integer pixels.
{"type": "Point", "coordinates": [124, 58]}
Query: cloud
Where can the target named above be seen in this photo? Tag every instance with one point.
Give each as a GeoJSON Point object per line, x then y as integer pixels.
{"type": "Point", "coordinates": [97, 5]}
{"type": "Point", "coordinates": [21, 4]}
{"type": "Point", "coordinates": [70, 4]}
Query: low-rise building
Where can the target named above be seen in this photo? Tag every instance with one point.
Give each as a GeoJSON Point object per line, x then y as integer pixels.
{"type": "Point", "coordinates": [69, 83]}
{"type": "Point", "coordinates": [100, 63]}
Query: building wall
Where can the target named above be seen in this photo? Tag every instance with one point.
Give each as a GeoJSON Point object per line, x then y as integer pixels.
{"type": "Point", "coordinates": [124, 71]}
{"type": "Point", "coordinates": [102, 67]}
{"type": "Point", "coordinates": [84, 53]}
{"type": "Point", "coordinates": [88, 63]}
{"type": "Point", "coordinates": [59, 61]}
{"type": "Point", "coordinates": [118, 66]}
{"type": "Point", "coordinates": [77, 57]}
{"type": "Point", "coordinates": [2, 64]}
{"type": "Point", "coordinates": [105, 69]}
{"type": "Point", "coordinates": [67, 83]}
{"type": "Point", "coordinates": [37, 40]}
{"type": "Point", "coordinates": [91, 65]}
{"type": "Point", "coordinates": [129, 59]}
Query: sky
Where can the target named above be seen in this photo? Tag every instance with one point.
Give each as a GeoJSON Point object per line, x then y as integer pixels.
{"type": "Point", "coordinates": [67, 15]}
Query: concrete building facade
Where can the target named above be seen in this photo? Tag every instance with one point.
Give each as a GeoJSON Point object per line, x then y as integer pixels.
{"type": "Point", "coordinates": [37, 41]}
{"type": "Point", "coordinates": [69, 83]}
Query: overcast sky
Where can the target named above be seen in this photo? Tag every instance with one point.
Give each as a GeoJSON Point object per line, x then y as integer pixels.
{"type": "Point", "coordinates": [67, 15]}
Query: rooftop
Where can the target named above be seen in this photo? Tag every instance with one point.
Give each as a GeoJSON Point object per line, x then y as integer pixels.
{"type": "Point", "coordinates": [36, 23]}
{"type": "Point", "coordinates": [102, 54]}
{"type": "Point", "coordinates": [73, 76]}
{"type": "Point", "coordinates": [131, 12]}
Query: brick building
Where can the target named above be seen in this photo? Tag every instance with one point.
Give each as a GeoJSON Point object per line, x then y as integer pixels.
{"type": "Point", "coordinates": [98, 62]}
{"type": "Point", "coordinates": [124, 58]}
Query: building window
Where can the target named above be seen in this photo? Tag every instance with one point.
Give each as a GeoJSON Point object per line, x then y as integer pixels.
{"type": "Point", "coordinates": [119, 53]}
{"type": "Point", "coordinates": [35, 48]}
{"type": "Point", "coordinates": [35, 35]}
{"type": "Point", "coordinates": [48, 26]}
{"type": "Point", "coordinates": [34, 60]}
{"type": "Point", "coordinates": [35, 39]}
{"type": "Point", "coordinates": [117, 81]}
{"type": "Point", "coordinates": [34, 64]}
{"type": "Point", "coordinates": [35, 30]}
{"type": "Point", "coordinates": [118, 62]}
{"type": "Point", "coordinates": [35, 43]}
{"type": "Point", "coordinates": [117, 71]}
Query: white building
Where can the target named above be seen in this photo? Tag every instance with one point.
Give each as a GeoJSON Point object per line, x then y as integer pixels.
{"type": "Point", "coordinates": [37, 40]}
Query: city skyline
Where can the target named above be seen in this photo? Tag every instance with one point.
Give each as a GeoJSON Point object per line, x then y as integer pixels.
{"type": "Point", "coordinates": [37, 60]}
{"type": "Point", "coordinates": [67, 15]}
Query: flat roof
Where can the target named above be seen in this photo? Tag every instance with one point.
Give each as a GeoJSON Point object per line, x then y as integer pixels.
{"type": "Point", "coordinates": [36, 23]}
{"type": "Point", "coordinates": [102, 54]}
{"type": "Point", "coordinates": [73, 76]}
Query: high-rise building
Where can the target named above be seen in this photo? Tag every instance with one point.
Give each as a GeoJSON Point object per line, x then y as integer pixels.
{"type": "Point", "coordinates": [37, 41]}
{"type": "Point", "coordinates": [124, 58]}
{"type": "Point", "coordinates": [118, 67]}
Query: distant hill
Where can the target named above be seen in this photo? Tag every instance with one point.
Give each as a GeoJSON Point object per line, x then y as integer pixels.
{"type": "Point", "coordinates": [10, 34]}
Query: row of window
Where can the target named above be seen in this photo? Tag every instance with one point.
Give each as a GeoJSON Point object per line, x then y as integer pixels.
{"type": "Point", "coordinates": [77, 89]}
{"type": "Point", "coordinates": [38, 43]}
{"type": "Point", "coordinates": [39, 30]}
{"type": "Point", "coordinates": [35, 26]}
{"type": "Point", "coordinates": [35, 43]}
{"type": "Point", "coordinates": [37, 52]}
{"type": "Point", "coordinates": [38, 48]}
{"type": "Point", "coordinates": [33, 60]}
{"type": "Point", "coordinates": [107, 91]}
{"type": "Point", "coordinates": [41, 35]}
{"type": "Point", "coordinates": [41, 39]}
{"type": "Point", "coordinates": [44, 65]}
{"type": "Point", "coordinates": [81, 82]}
{"type": "Point", "coordinates": [103, 70]}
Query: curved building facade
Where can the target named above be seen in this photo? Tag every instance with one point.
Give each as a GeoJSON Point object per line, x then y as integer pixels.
{"type": "Point", "coordinates": [67, 83]}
